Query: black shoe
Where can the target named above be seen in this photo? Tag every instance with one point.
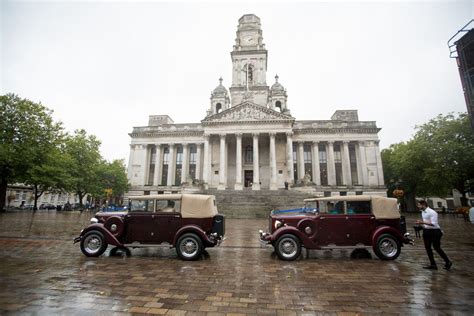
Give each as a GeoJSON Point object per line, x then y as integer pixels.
{"type": "Point", "coordinates": [448, 265]}
{"type": "Point", "coordinates": [431, 267]}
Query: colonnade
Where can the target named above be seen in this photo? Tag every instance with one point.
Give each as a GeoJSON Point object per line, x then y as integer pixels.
{"type": "Point", "coordinates": [204, 167]}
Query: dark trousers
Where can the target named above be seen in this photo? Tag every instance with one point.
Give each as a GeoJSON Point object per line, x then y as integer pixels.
{"type": "Point", "coordinates": [433, 237]}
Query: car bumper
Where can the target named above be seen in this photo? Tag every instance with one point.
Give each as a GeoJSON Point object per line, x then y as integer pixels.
{"type": "Point", "coordinates": [408, 240]}
{"type": "Point", "coordinates": [265, 238]}
{"type": "Point", "coordinates": [77, 239]}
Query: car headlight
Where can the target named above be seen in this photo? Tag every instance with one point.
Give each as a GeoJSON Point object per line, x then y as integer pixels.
{"type": "Point", "coordinates": [278, 224]}
{"type": "Point", "coordinates": [94, 220]}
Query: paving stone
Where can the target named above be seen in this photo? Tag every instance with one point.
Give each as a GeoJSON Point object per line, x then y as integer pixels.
{"type": "Point", "coordinates": [43, 273]}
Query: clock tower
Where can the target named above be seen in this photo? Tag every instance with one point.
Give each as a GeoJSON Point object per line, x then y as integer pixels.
{"type": "Point", "coordinates": [249, 63]}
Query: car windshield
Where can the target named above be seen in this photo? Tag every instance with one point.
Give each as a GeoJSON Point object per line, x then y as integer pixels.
{"type": "Point", "coordinates": [311, 206]}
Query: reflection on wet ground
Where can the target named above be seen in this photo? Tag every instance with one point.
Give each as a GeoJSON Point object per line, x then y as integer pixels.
{"type": "Point", "coordinates": [42, 272]}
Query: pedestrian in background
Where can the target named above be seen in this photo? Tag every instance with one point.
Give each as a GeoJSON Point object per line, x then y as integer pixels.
{"type": "Point", "coordinates": [432, 236]}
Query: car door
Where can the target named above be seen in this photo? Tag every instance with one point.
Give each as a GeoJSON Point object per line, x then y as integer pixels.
{"type": "Point", "coordinates": [331, 225]}
{"type": "Point", "coordinates": [166, 224]}
{"type": "Point", "coordinates": [140, 226]}
{"type": "Point", "coordinates": [361, 222]}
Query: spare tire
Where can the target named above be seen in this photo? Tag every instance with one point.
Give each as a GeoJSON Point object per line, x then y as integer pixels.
{"type": "Point", "coordinates": [115, 225]}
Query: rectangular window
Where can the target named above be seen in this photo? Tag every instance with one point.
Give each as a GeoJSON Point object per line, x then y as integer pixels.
{"type": "Point", "coordinates": [141, 206]}
{"type": "Point", "coordinates": [179, 165]}
{"type": "Point", "coordinates": [323, 166]}
{"type": "Point", "coordinates": [151, 166]}
{"type": "Point", "coordinates": [168, 206]}
{"type": "Point", "coordinates": [307, 154]}
{"type": "Point", "coordinates": [295, 165]}
{"type": "Point", "coordinates": [338, 163]}
{"type": "Point", "coordinates": [353, 162]}
{"type": "Point", "coordinates": [164, 176]}
{"type": "Point", "coordinates": [331, 207]}
{"type": "Point", "coordinates": [358, 207]}
{"type": "Point", "coordinates": [192, 155]}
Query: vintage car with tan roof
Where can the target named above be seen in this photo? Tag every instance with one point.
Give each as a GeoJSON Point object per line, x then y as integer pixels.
{"type": "Point", "coordinates": [188, 222]}
{"type": "Point", "coordinates": [345, 222]}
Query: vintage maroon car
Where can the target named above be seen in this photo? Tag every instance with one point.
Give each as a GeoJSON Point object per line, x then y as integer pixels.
{"type": "Point", "coordinates": [351, 222]}
{"type": "Point", "coordinates": [189, 222]}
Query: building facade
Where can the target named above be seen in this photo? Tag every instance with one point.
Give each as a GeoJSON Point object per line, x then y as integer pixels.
{"type": "Point", "coordinates": [248, 139]}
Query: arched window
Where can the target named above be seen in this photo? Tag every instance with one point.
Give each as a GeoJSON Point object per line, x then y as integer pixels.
{"type": "Point", "coordinates": [218, 107]}
{"type": "Point", "coordinates": [249, 74]}
{"type": "Point", "coordinates": [278, 105]}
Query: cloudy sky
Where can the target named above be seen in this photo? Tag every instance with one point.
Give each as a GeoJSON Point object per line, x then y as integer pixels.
{"type": "Point", "coordinates": [105, 66]}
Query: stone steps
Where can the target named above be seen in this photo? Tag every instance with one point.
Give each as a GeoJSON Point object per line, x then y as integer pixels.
{"type": "Point", "coordinates": [256, 204]}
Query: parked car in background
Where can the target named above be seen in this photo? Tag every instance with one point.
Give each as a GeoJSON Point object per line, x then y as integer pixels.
{"type": "Point", "coordinates": [47, 206]}
{"type": "Point", "coordinates": [339, 222]}
{"type": "Point", "coordinates": [188, 222]}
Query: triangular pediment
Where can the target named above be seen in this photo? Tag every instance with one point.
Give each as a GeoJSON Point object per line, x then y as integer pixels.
{"type": "Point", "coordinates": [247, 112]}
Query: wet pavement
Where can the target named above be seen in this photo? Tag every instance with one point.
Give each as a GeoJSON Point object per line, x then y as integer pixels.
{"type": "Point", "coordinates": [42, 272]}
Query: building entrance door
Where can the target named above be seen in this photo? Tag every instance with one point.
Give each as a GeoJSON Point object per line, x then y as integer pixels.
{"type": "Point", "coordinates": [248, 178]}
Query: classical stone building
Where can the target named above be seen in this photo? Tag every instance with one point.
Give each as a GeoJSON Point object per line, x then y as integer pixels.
{"type": "Point", "coordinates": [248, 140]}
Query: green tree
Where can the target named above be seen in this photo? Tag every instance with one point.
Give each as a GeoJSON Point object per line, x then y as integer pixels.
{"type": "Point", "coordinates": [451, 143]}
{"type": "Point", "coordinates": [26, 130]}
{"type": "Point", "coordinates": [49, 173]}
{"type": "Point", "coordinates": [437, 159]}
{"type": "Point", "coordinates": [113, 180]}
{"type": "Point", "coordinates": [84, 161]}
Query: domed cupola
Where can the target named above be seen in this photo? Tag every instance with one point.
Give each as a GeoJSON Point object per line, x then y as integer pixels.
{"type": "Point", "coordinates": [278, 98]}
{"type": "Point", "coordinates": [277, 88]}
{"type": "Point", "coordinates": [219, 99]}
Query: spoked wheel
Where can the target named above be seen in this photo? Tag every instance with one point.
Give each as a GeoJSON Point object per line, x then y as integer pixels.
{"type": "Point", "coordinates": [387, 247]}
{"type": "Point", "coordinates": [189, 247]}
{"type": "Point", "coordinates": [93, 244]}
{"type": "Point", "coordinates": [288, 247]}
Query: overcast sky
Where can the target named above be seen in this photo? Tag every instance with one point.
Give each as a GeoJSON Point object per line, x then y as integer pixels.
{"type": "Point", "coordinates": [106, 66]}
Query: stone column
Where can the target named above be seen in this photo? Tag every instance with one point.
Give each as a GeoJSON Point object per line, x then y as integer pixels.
{"type": "Point", "coordinates": [316, 169]}
{"type": "Point", "coordinates": [289, 157]}
{"type": "Point", "coordinates": [222, 164]}
{"type": "Point", "coordinates": [185, 165]}
{"type": "Point", "coordinates": [145, 165]}
{"type": "Point", "coordinates": [346, 164]}
{"type": "Point", "coordinates": [362, 164]}
{"type": "Point", "coordinates": [273, 166]}
{"type": "Point", "coordinates": [331, 166]}
{"type": "Point", "coordinates": [198, 161]}
{"type": "Point", "coordinates": [256, 175]}
{"type": "Point", "coordinates": [205, 164]}
{"type": "Point", "coordinates": [238, 162]}
{"type": "Point", "coordinates": [300, 160]}
{"type": "Point", "coordinates": [378, 158]}
{"type": "Point", "coordinates": [158, 166]}
{"type": "Point", "coordinates": [171, 166]}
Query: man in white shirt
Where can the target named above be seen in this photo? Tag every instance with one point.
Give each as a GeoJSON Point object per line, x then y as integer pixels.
{"type": "Point", "coordinates": [432, 236]}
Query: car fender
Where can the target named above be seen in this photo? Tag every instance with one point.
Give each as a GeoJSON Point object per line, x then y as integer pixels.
{"type": "Point", "coordinates": [192, 229]}
{"type": "Point", "coordinates": [293, 231]}
{"type": "Point", "coordinates": [109, 237]}
{"type": "Point", "coordinates": [386, 230]}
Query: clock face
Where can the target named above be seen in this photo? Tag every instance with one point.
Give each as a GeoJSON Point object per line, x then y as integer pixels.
{"type": "Point", "coordinates": [249, 39]}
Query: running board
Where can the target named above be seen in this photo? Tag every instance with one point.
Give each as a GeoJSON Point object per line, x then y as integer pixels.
{"type": "Point", "coordinates": [346, 247]}
{"type": "Point", "coordinates": [148, 245]}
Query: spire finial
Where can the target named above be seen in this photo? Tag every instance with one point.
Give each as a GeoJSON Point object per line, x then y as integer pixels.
{"type": "Point", "coordinates": [220, 81]}
{"type": "Point", "coordinates": [276, 78]}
